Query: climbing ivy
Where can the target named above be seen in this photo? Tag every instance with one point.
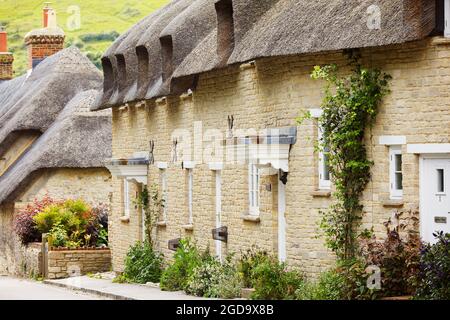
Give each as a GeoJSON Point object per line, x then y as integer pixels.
{"type": "Point", "coordinates": [349, 107]}
{"type": "Point", "coordinates": [152, 205]}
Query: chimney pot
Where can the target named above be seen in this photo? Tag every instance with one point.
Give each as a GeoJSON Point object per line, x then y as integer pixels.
{"type": "Point", "coordinates": [45, 13]}
{"type": "Point", "coordinates": [3, 40]}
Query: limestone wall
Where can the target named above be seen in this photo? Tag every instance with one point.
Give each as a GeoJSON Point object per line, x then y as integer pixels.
{"type": "Point", "coordinates": [67, 263]}
{"type": "Point", "coordinates": [273, 94]}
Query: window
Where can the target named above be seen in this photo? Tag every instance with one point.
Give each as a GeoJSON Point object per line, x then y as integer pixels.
{"type": "Point", "coordinates": [396, 173]}
{"type": "Point", "coordinates": [324, 168]}
{"type": "Point", "coordinates": [164, 193]}
{"type": "Point", "coordinates": [190, 194]}
{"type": "Point", "coordinates": [253, 189]}
{"type": "Point", "coordinates": [126, 197]}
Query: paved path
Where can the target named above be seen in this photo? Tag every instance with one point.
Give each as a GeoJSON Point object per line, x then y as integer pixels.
{"type": "Point", "coordinates": [20, 289]}
{"type": "Point", "coordinates": [118, 291]}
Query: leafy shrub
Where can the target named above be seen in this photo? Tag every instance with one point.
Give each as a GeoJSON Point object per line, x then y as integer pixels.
{"type": "Point", "coordinates": [330, 286]}
{"type": "Point", "coordinates": [102, 238]}
{"type": "Point", "coordinates": [97, 227]}
{"type": "Point", "coordinates": [249, 260]}
{"type": "Point", "coordinates": [73, 215]}
{"type": "Point", "coordinates": [229, 282]}
{"type": "Point", "coordinates": [57, 236]}
{"type": "Point", "coordinates": [355, 286]}
{"type": "Point", "coordinates": [84, 226]}
{"type": "Point", "coordinates": [24, 224]}
{"type": "Point", "coordinates": [214, 279]}
{"type": "Point", "coordinates": [433, 279]}
{"type": "Point", "coordinates": [203, 277]}
{"type": "Point", "coordinates": [143, 264]}
{"type": "Point", "coordinates": [176, 275]}
{"type": "Point", "coordinates": [397, 256]}
{"type": "Point", "coordinates": [272, 281]}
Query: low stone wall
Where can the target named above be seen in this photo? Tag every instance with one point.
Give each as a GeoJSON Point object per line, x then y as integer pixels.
{"type": "Point", "coordinates": [67, 263]}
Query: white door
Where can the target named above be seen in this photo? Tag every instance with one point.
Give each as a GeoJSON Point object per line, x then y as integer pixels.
{"type": "Point", "coordinates": [281, 221]}
{"type": "Point", "coordinates": [435, 198]}
{"type": "Point", "coordinates": [218, 211]}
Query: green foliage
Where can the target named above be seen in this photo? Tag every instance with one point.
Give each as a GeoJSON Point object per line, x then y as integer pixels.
{"type": "Point", "coordinates": [57, 236]}
{"type": "Point", "coordinates": [73, 215]}
{"type": "Point", "coordinates": [356, 278]}
{"type": "Point", "coordinates": [152, 204]}
{"type": "Point", "coordinates": [249, 260]}
{"type": "Point", "coordinates": [142, 264]}
{"type": "Point", "coordinates": [330, 286]}
{"type": "Point", "coordinates": [101, 36]}
{"type": "Point", "coordinates": [350, 106]}
{"type": "Point", "coordinates": [433, 279]}
{"type": "Point", "coordinates": [67, 223]}
{"type": "Point", "coordinates": [272, 281]}
{"type": "Point", "coordinates": [176, 275]}
{"type": "Point", "coordinates": [102, 238]}
{"type": "Point", "coordinates": [22, 16]}
{"type": "Point", "coordinates": [213, 279]}
{"type": "Point", "coordinates": [396, 257]}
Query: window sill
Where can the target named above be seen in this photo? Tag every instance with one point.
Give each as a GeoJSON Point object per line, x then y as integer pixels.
{"type": "Point", "coordinates": [392, 203]}
{"type": "Point", "coordinates": [251, 218]}
{"type": "Point", "coordinates": [321, 193]}
{"type": "Point", "coordinates": [161, 224]}
{"type": "Point", "coordinates": [439, 41]}
{"type": "Point", "coordinates": [188, 227]}
{"type": "Point", "coordinates": [125, 219]}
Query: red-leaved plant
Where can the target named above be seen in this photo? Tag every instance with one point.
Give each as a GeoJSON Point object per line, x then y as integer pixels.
{"type": "Point", "coordinates": [24, 225]}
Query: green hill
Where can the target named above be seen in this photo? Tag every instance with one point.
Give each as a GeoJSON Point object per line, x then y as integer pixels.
{"type": "Point", "coordinates": [100, 22]}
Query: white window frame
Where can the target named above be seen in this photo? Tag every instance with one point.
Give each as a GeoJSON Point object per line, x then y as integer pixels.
{"type": "Point", "coordinates": [395, 192]}
{"type": "Point", "coordinates": [324, 184]}
{"type": "Point", "coordinates": [190, 174]}
{"type": "Point", "coordinates": [126, 197]}
{"type": "Point", "coordinates": [254, 178]}
{"type": "Point", "coordinates": [447, 18]}
{"type": "Point", "coordinates": [164, 193]}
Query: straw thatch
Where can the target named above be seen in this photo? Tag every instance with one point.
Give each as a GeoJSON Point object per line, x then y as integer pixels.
{"type": "Point", "coordinates": [54, 100]}
{"type": "Point", "coordinates": [135, 64]}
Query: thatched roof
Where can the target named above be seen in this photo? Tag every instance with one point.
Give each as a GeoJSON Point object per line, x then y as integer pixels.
{"type": "Point", "coordinates": [55, 100]}
{"type": "Point", "coordinates": [134, 65]}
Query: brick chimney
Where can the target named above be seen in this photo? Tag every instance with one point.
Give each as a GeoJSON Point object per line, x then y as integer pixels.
{"type": "Point", "coordinates": [42, 43]}
{"type": "Point", "coordinates": [6, 58]}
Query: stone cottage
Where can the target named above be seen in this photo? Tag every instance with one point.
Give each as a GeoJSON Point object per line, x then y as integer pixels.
{"type": "Point", "coordinates": [205, 94]}
{"type": "Point", "coordinates": [50, 142]}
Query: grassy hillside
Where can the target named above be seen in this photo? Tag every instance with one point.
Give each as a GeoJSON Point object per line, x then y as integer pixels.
{"type": "Point", "coordinates": [100, 23]}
